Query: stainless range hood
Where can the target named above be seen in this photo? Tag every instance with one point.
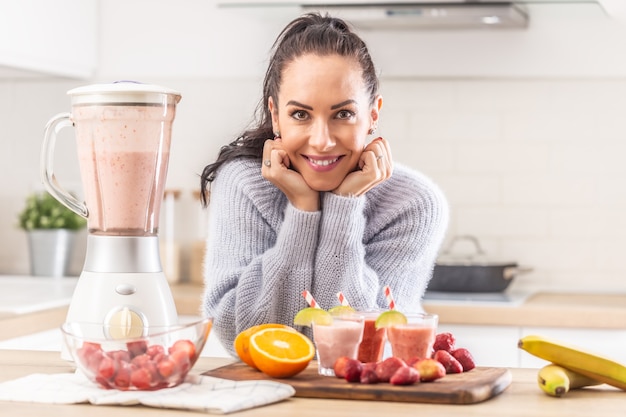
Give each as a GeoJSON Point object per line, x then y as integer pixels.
{"type": "Point", "coordinates": [435, 15]}
{"type": "Point", "coordinates": [444, 14]}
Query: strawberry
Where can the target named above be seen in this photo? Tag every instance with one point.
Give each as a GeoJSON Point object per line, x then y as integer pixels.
{"type": "Point", "coordinates": [465, 359]}
{"type": "Point", "coordinates": [122, 377]}
{"type": "Point", "coordinates": [405, 375]}
{"type": "Point", "coordinates": [386, 368]}
{"type": "Point", "coordinates": [448, 361]}
{"type": "Point", "coordinates": [137, 348]}
{"type": "Point", "coordinates": [340, 366]}
{"type": "Point", "coordinates": [444, 341]}
{"type": "Point", "coordinates": [429, 369]}
{"type": "Point", "coordinates": [368, 373]}
{"type": "Point", "coordinates": [166, 367]}
{"type": "Point", "coordinates": [155, 350]}
{"type": "Point", "coordinates": [107, 368]}
{"type": "Point", "coordinates": [90, 355]}
{"type": "Point", "coordinates": [141, 360]}
{"type": "Point", "coordinates": [181, 361]}
{"type": "Point", "coordinates": [353, 370]}
{"type": "Point", "coordinates": [186, 346]}
{"type": "Point", "coordinates": [141, 378]}
{"type": "Point", "coordinates": [119, 355]}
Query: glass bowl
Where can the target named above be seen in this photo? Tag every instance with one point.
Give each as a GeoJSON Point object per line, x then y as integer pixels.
{"type": "Point", "coordinates": [160, 358]}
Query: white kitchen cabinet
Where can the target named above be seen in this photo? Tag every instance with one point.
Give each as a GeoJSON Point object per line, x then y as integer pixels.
{"type": "Point", "coordinates": [497, 345]}
{"type": "Point", "coordinates": [48, 38]}
{"type": "Point", "coordinates": [605, 342]}
{"type": "Point", "coordinates": [494, 346]}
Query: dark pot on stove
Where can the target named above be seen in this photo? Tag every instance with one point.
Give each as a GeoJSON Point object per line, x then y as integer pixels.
{"type": "Point", "coordinates": [472, 273]}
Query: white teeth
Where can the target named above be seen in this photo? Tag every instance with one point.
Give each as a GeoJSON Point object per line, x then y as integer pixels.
{"type": "Point", "coordinates": [323, 162]}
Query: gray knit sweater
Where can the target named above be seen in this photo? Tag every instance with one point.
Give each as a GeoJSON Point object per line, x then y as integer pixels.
{"type": "Point", "coordinates": [262, 252]}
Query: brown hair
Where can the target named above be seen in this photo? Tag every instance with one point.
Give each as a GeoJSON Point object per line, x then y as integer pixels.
{"type": "Point", "coordinates": [311, 33]}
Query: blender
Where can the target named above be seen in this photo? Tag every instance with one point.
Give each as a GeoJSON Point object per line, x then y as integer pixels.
{"type": "Point", "coordinates": [123, 132]}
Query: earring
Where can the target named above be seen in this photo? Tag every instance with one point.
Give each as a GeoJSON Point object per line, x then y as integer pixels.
{"type": "Point", "coordinates": [372, 130]}
{"type": "Point", "coordinates": [276, 134]}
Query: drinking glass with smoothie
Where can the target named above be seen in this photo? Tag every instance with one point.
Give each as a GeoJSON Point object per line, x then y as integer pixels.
{"type": "Point", "coordinates": [339, 338]}
{"type": "Point", "coordinates": [414, 339]}
{"type": "Point", "coordinates": [373, 344]}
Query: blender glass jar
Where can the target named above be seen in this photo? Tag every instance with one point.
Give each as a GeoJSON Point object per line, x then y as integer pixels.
{"type": "Point", "coordinates": [123, 132]}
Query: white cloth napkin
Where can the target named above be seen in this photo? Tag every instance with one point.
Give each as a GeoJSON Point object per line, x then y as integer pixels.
{"type": "Point", "coordinates": [197, 393]}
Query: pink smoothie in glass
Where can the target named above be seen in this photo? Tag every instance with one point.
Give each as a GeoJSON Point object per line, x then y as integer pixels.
{"type": "Point", "coordinates": [373, 343]}
{"type": "Point", "coordinates": [341, 338]}
{"type": "Point", "coordinates": [411, 340]}
{"type": "Point", "coordinates": [123, 153]}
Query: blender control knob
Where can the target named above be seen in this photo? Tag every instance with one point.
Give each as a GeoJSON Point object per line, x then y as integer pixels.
{"type": "Point", "coordinates": [125, 289]}
{"type": "Point", "coordinates": [125, 323]}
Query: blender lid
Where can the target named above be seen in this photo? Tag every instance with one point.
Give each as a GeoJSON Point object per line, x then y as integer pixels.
{"type": "Point", "coordinates": [122, 92]}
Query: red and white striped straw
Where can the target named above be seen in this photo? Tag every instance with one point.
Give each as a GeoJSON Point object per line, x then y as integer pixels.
{"type": "Point", "coordinates": [389, 297]}
{"type": "Point", "coordinates": [342, 299]}
{"type": "Point", "coordinates": [309, 299]}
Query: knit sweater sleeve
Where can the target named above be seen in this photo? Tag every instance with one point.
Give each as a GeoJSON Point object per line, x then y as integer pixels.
{"type": "Point", "coordinates": [260, 252]}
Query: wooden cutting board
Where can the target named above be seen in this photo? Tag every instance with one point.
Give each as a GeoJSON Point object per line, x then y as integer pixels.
{"type": "Point", "coordinates": [471, 387]}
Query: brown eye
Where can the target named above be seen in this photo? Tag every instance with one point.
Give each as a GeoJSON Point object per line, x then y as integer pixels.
{"type": "Point", "coordinates": [300, 115]}
{"type": "Point", "coordinates": [345, 114]}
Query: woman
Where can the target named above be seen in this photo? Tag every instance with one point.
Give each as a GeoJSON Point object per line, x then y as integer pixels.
{"type": "Point", "coordinates": [315, 208]}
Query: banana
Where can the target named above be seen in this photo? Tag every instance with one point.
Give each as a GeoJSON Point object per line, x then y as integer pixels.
{"type": "Point", "coordinates": [575, 359]}
{"type": "Point", "coordinates": [557, 381]}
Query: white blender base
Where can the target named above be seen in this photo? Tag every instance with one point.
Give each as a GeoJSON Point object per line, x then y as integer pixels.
{"type": "Point", "coordinates": [98, 296]}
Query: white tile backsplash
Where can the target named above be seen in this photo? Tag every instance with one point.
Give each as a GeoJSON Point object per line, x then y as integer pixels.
{"type": "Point", "coordinates": [532, 167]}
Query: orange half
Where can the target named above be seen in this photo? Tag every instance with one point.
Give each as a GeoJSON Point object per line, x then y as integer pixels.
{"type": "Point", "coordinates": [242, 341]}
{"type": "Point", "coordinates": [281, 353]}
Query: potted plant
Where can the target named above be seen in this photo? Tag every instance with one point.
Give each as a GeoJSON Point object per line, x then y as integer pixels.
{"type": "Point", "coordinates": [51, 229]}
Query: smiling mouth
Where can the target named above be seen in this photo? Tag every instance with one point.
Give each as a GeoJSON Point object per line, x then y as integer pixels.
{"type": "Point", "coordinates": [323, 162]}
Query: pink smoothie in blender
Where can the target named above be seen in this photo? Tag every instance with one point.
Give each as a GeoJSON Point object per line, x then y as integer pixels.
{"type": "Point", "coordinates": [123, 158]}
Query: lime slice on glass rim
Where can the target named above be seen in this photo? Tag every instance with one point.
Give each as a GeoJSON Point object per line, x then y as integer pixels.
{"type": "Point", "coordinates": [308, 316]}
{"type": "Point", "coordinates": [341, 310]}
{"type": "Point", "coordinates": [390, 318]}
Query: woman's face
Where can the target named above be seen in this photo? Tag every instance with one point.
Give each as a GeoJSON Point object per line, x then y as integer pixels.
{"type": "Point", "coordinates": [323, 115]}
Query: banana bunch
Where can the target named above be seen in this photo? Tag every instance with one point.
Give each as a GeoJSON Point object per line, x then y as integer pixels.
{"type": "Point", "coordinates": [571, 367]}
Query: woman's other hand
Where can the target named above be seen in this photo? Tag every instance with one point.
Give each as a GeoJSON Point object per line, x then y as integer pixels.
{"type": "Point", "coordinates": [375, 166]}
{"type": "Point", "coordinates": [276, 169]}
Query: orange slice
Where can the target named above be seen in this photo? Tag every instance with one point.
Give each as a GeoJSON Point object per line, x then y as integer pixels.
{"type": "Point", "coordinates": [281, 353]}
{"type": "Point", "coordinates": [242, 341]}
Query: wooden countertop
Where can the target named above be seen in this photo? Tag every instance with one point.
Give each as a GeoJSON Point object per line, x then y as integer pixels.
{"type": "Point", "coordinates": [542, 309]}
{"type": "Point", "coordinates": [598, 311]}
{"type": "Point", "coordinates": [523, 398]}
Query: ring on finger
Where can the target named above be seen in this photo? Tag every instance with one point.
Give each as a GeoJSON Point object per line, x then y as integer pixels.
{"type": "Point", "coordinates": [267, 163]}
{"type": "Point", "coordinates": [379, 157]}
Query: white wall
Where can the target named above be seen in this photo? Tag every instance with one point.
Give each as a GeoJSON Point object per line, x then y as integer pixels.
{"type": "Point", "coordinates": [522, 129]}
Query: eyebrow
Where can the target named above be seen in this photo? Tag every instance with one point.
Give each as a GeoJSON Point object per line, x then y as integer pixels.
{"type": "Point", "coordinates": [333, 107]}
